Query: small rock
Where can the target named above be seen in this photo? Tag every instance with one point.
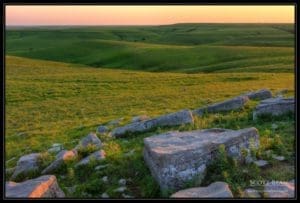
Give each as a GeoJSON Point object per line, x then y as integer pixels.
{"type": "Point", "coordinates": [61, 158]}
{"type": "Point", "coordinates": [251, 193]}
{"type": "Point", "coordinates": [56, 147]}
{"type": "Point", "coordinates": [249, 160]}
{"type": "Point", "coordinates": [214, 190]}
{"type": "Point", "coordinates": [101, 167]}
{"type": "Point", "coordinates": [90, 139]}
{"type": "Point", "coordinates": [98, 155]}
{"type": "Point", "coordinates": [104, 195]}
{"type": "Point", "coordinates": [26, 164]}
{"type": "Point", "coordinates": [140, 118]}
{"type": "Point", "coordinates": [278, 158]}
{"type": "Point", "coordinates": [261, 163]}
{"type": "Point", "coordinates": [245, 171]}
{"type": "Point", "coordinates": [105, 179]}
{"type": "Point", "coordinates": [279, 190]}
{"type": "Point", "coordinates": [41, 187]}
{"type": "Point", "coordinates": [126, 196]}
{"type": "Point", "coordinates": [274, 126]}
{"type": "Point", "coordinates": [120, 189]}
{"type": "Point", "coordinates": [72, 189]}
{"type": "Point", "coordinates": [62, 177]}
{"type": "Point", "coordinates": [102, 129]}
{"type": "Point", "coordinates": [122, 182]}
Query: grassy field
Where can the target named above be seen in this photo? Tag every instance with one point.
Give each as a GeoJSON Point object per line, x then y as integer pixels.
{"type": "Point", "coordinates": [188, 48]}
{"type": "Point", "coordinates": [52, 102]}
{"type": "Point", "coordinates": [63, 82]}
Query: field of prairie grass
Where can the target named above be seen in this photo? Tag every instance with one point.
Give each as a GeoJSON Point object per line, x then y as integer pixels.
{"type": "Point", "coordinates": [57, 91]}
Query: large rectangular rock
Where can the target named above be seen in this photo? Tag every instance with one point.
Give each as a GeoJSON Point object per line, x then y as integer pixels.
{"type": "Point", "coordinates": [173, 119]}
{"type": "Point", "coordinates": [228, 105]}
{"type": "Point", "coordinates": [176, 157]}
{"type": "Point", "coordinates": [274, 106]}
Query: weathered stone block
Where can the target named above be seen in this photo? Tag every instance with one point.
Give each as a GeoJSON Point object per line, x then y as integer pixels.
{"type": "Point", "coordinates": [176, 157]}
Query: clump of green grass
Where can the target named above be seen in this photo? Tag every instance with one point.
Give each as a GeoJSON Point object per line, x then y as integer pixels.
{"type": "Point", "coordinates": [231, 171]}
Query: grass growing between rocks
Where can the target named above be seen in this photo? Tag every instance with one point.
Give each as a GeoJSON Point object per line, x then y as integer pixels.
{"type": "Point", "coordinates": [51, 102]}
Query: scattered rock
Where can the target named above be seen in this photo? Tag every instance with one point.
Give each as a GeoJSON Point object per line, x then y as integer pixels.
{"type": "Point", "coordinates": [105, 179]}
{"type": "Point", "coordinates": [120, 189]}
{"type": "Point", "coordinates": [102, 129]}
{"type": "Point", "coordinates": [127, 196]}
{"type": "Point", "coordinates": [214, 190]}
{"type": "Point", "coordinates": [101, 167]}
{"type": "Point", "coordinates": [260, 94]}
{"type": "Point", "coordinates": [122, 182]}
{"type": "Point", "coordinates": [278, 158]}
{"type": "Point", "coordinates": [176, 157]}
{"type": "Point", "coordinates": [72, 189]}
{"type": "Point", "coordinates": [104, 195]}
{"type": "Point", "coordinates": [251, 193]}
{"type": "Point", "coordinates": [26, 164]}
{"type": "Point", "coordinates": [261, 163]}
{"type": "Point", "coordinates": [140, 118]}
{"type": "Point", "coordinates": [41, 187]}
{"type": "Point", "coordinates": [228, 105]}
{"type": "Point", "coordinates": [56, 147]}
{"type": "Point", "coordinates": [97, 156]}
{"type": "Point", "coordinates": [275, 107]}
{"type": "Point", "coordinates": [61, 158]}
{"type": "Point", "coordinates": [90, 139]}
{"type": "Point", "coordinates": [279, 190]}
{"type": "Point", "coordinates": [249, 159]}
{"type": "Point", "coordinates": [274, 126]}
{"type": "Point", "coordinates": [173, 119]}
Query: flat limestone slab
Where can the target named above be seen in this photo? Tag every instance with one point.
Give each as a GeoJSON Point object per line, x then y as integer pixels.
{"type": "Point", "coordinates": [176, 157]}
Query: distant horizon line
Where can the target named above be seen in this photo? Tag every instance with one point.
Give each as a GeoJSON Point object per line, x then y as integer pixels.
{"type": "Point", "coordinates": [152, 24]}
